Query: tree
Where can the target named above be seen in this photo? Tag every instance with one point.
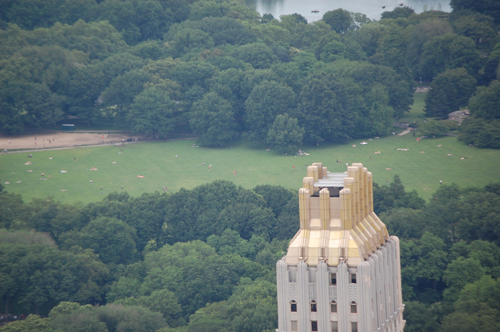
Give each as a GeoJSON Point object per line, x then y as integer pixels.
{"type": "Point", "coordinates": [448, 52]}
{"type": "Point", "coordinates": [478, 27]}
{"type": "Point", "coordinates": [459, 273]}
{"type": "Point", "coordinates": [320, 113]}
{"type": "Point", "coordinates": [252, 307]}
{"type": "Point", "coordinates": [153, 112]}
{"type": "Point", "coordinates": [212, 119]}
{"type": "Point", "coordinates": [432, 260]}
{"type": "Point", "coordinates": [42, 275]}
{"type": "Point", "coordinates": [395, 196]}
{"type": "Point", "coordinates": [480, 132]}
{"type": "Point", "coordinates": [486, 102]}
{"type": "Point", "coordinates": [285, 134]}
{"type": "Point", "coordinates": [188, 40]}
{"type": "Point", "coordinates": [187, 268]}
{"type": "Point", "coordinates": [432, 128]}
{"type": "Point", "coordinates": [31, 323]}
{"type": "Point", "coordinates": [419, 317]}
{"type": "Point", "coordinates": [267, 100]}
{"type": "Point", "coordinates": [259, 55]}
{"type": "Point", "coordinates": [111, 239]}
{"type": "Point", "coordinates": [162, 301]}
{"type": "Point", "coordinates": [123, 89]}
{"type": "Point", "coordinates": [486, 7]}
{"type": "Point", "coordinates": [225, 30]}
{"type": "Point", "coordinates": [449, 90]}
{"type": "Point", "coordinates": [340, 20]}
{"type": "Point", "coordinates": [403, 12]}
{"type": "Point", "coordinates": [417, 37]}
{"type": "Point", "coordinates": [111, 317]}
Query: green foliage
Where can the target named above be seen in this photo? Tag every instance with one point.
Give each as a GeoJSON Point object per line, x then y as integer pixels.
{"type": "Point", "coordinates": [235, 73]}
{"type": "Point", "coordinates": [285, 134]}
{"type": "Point", "coordinates": [449, 91]}
{"type": "Point", "coordinates": [486, 7]}
{"type": "Point", "coordinates": [38, 274]}
{"type": "Point", "coordinates": [449, 51]}
{"type": "Point", "coordinates": [403, 12]}
{"type": "Point", "coordinates": [266, 101]}
{"type": "Point", "coordinates": [395, 196]}
{"type": "Point", "coordinates": [259, 55]}
{"type": "Point", "coordinates": [111, 239]}
{"type": "Point", "coordinates": [459, 273]}
{"type": "Point", "coordinates": [340, 20]}
{"type": "Point", "coordinates": [212, 119]}
{"type": "Point", "coordinates": [69, 316]}
{"type": "Point", "coordinates": [433, 128]}
{"type": "Point", "coordinates": [252, 307]}
{"type": "Point", "coordinates": [166, 269]}
{"type": "Point", "coordinates": [486, 102]}
{"type": "Point", "coordinates": [418, 36]}
{"type": "Point", "coordinates": [481, 133]}
{"type": "Point", "coordinates": [188, 40]}
{"type": "Point", "coordinates": [31, 323]}
{"type": "Point", "coordinates": [420, 318]}
{"type": "Point", "coordinates": [153, 113]}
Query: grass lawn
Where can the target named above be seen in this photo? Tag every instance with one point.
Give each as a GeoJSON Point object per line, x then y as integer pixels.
{"type": "Point", "coordinates": [417, 109]}
{"type": "Point", "coordinates": [158, 163]}
{"type": "Point", "coordinates": [420, 168]}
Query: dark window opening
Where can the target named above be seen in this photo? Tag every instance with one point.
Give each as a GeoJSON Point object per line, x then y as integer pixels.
{"type": "Point", "coordinates": [313, 307]}
{"type": "Point", "coordinates": [335, 326]}
{"type": "Point", "coordinates": [333, 279]}
{"type": "Point", "coordinates": [314, 325]}
{"type": "Point", "coordinates": [293, 307]}
{"type": "Point", "coordinates": [353, 278]}
{"type": "Point", "coordinates": [333, 307]}
{"type": "Point", "coordinates": [354, 308]}
{"type": "Point", "coordinates": [354, 326]}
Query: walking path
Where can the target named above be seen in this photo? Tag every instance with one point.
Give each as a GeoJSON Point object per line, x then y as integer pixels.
{"type": "Point", "coordinates": [404, 132]}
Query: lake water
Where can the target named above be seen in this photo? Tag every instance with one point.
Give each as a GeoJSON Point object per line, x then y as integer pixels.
{"type": "Point", "coordinates": [371, 8]}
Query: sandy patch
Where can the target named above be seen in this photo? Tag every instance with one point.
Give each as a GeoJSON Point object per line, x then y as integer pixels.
{"type": "Point", "coordinates": [60, 140]}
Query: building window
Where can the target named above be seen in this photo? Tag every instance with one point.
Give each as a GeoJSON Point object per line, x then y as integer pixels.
{"type": "Point", "coordinates": [354, 326]}
{"type": "Point", "coordinates": [293, 306]}
{"type": "Point", "coordinates": [353, 278]}
{"type": "Point", "coordinates": [314, 308]}
{"type": "Point", "coordinates": [333, 278]}
{"type": "Point", "coordinates": [294, 326]}
{"type": "Point", "coordinates": [314, 326]}
{"type": "Point", "coordinates": [335, 326]}
{"type": "Point", "coordinates": [354, 308]}
{"type": "Point", "coordinates": [333, 307]}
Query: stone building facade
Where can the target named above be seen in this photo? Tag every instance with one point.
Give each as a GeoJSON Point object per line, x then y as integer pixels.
{"type": "Point", "coordinates": [342, 270]}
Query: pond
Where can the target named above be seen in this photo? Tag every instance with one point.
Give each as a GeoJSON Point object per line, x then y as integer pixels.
{"type": "Point", "coordinates": [371, 8]}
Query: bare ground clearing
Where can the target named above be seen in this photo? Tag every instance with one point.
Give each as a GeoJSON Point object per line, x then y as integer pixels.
{"type": "Point", "coordinates": [60, 139]}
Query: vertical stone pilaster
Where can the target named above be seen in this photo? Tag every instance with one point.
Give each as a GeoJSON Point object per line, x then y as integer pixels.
{"type": "Point", "coordinates": [343, 309]}
{"type": "Point", "coordinates": [303, 297]}
{"type": "Point", "coordinates": [323, 283]}
{"type": "Point", "coordinates": [283, 301]}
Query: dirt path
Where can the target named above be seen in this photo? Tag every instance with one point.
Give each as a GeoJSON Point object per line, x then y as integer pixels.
{"type": "Point", "coordinates": [60, 139]}
{"type": "Point", "coordinates": [404, 132]}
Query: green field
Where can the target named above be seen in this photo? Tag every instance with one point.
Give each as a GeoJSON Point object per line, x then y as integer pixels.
{"type": "Point", "coordinates": [156, 161]}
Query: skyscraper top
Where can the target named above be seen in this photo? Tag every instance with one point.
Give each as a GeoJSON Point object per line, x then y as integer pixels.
{"type": "Point", "coordinates": [337, 222]}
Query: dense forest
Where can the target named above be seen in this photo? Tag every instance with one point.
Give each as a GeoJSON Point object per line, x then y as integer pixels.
{"type": "Point", "coordinates": [204, 259]}
{"type": "Point", "coordinates": [219, 70]}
